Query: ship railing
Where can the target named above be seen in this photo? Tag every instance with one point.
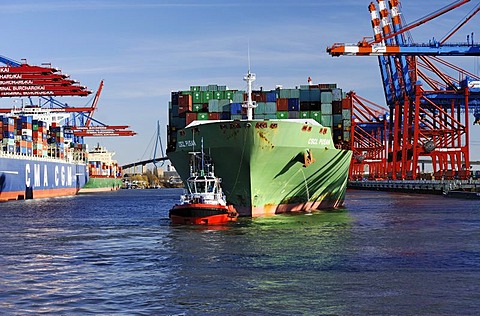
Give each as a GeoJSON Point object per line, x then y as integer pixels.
{"type": "Point", "coordinates": [209, 198]}
{"type": "Point", "coordinates": [7, 154]}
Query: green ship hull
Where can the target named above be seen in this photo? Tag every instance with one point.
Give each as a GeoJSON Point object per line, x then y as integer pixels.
{"type": "Point", "coordinates": [269, 166]}
{"type": "Point", "coordinates": [101, 184]}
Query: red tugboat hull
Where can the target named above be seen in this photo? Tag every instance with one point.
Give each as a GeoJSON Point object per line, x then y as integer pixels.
{"type": "Point", "coordinates": [202, 214]}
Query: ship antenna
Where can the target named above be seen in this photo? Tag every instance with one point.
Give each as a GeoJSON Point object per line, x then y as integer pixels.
{"type": "Point", "coordinates": [249, 78]}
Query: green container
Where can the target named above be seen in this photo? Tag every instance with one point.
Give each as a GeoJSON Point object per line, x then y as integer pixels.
{"type": "Point", "coordinates": [316, 115]}
{"type": "Point", "coordinates": [229, 94]}
{"type": "Point", "coordinates": [219, 95]}
{"type": "Point", "coordinates": [304, 114]}
{"type": "Point", "coordinates": [282, 115]}
{"type": "Point", "coordinates": [197, 107]}
{"type": "Point", "coordinates": [197, 97]}
{"type": "Point", "coordinates": [207, 96]}
{"type": "Point", "coordinates": [194, 88]}
{"type": "Point", "coordinates": [202, 116]}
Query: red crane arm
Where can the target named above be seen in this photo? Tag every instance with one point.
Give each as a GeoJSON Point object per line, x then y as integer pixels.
{"type": "Point", "coordinates": [94, 104]}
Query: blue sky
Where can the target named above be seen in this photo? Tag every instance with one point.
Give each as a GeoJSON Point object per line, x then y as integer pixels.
{"type": "Point", "coordinates": [146, 49]}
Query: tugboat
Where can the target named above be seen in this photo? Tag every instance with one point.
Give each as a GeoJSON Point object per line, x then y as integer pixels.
{"type": "Point", "coordinates": [203, 202]}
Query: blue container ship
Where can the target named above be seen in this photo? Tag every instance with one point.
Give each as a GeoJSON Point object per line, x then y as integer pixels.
{"type": "Point", "coordinates": [38, 157]}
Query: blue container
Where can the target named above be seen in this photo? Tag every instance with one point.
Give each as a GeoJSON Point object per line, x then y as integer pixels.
{"type": "Point", "coordinates": [10, 135]}
{"type": "Point", "coordinates": [8, 121]}
{"type": "Point", "coordinates": [305, 95]}
{"type": "Point", "coordinates": [271, 96]}
{"type": "Point", "coordinates": [293, 104]}
{"type": "Point", "coordinates": [26, 119]}
{"type": "Point", "coordinates": [225, 115]}
{"type": "Point", "coordinates": [236, 108]}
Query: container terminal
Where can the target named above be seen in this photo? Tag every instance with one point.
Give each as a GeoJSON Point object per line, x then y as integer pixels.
{"type": "Point", "coordinates": [429, 107]}
{"type": "Point", "coordinates": [429, 101]}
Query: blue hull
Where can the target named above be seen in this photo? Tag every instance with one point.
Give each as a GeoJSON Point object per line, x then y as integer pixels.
{"type": "Point", "coordinates": [31, 177]}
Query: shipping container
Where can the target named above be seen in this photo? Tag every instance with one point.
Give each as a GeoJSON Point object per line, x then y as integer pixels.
{"type": "Point", "coordinates": [293, 104]}
{"type": "Point", "coordinates": [213, 106]}
{"type": "Point", "coordinates": [190, 118]}
{"type": "Point", "coordinates": [236, 108]}
{"type": "Point", "coordinates": [214, 116]}
{"type": "Point", "coordinates": [317, 116]}
{"type": "Point", "coordinates": [270, 108]}
{"type": "Point", "coordinates": [337, 107]}
{"type": "Point", "coordinates": [326, 97]}
{"type": "Point", "coordinates": [203, 116]}
{"type": "Point", "coordinates": [326, 120]}
{"type": "Point", "coordinates": [282, 104]}
{"type": "Point", "coordinates": [336, 94]}
{"type": "Point", "coordinates": [272, 96]}
{"type": "Point", "coordinates": [293, 114]}
{"type": "Point", "coordinates": [326, 108]}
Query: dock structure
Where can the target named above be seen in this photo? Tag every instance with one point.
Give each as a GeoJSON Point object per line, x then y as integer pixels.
{"type": "Point", "coordinates": [417, 186]}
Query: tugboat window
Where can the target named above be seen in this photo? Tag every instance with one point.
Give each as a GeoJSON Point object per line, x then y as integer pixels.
{"type": "Point", "coordinates": [200, 186]}
{"type": "Point", "coordinates": [211, 186]}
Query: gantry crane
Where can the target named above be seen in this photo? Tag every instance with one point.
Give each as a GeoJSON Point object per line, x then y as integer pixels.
{"type": "Point", "coordinates": [24, 80]}
{"type": "Point", "coordinates": [428, 115]}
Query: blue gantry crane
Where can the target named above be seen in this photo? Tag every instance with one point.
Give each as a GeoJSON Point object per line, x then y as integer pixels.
{"type": "Point", "coordinates": [428, 107]}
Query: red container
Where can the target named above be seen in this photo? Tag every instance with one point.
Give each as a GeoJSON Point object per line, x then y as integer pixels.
{"type": "Point", "coordinates": [185, 100]}
{"type": "Point", "coordinates": [214, 116]}
{"type": "Point", "coordinates": [191, 117]}
{"type": "Point", "coordinates": [259, 96]}
{"type": "Point", "coordinates": [282, 104]}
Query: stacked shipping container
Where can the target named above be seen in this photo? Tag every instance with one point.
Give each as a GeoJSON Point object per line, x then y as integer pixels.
{"type": "Point", "coordinates": [324, 103]}
{"type": "Point", "coordinates": [26, 136]}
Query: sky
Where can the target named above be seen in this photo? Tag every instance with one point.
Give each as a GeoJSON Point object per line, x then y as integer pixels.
{"type": "Point", "coordinates": [144, 50]}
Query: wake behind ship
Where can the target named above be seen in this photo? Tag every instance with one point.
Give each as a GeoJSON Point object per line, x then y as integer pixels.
{"type": "Point", "coordinates": [283, 161]}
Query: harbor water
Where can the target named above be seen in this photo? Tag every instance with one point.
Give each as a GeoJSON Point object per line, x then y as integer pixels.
{"type": "Point", "coordinates": [117, 254]}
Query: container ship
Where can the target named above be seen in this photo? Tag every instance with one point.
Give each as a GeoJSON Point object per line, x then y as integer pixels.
{"type": "Point", "coordinates": [276, 151]}
{"type": "Point", "coordinates": [38, 157]}
{"type": "Point", "coordinates": [104, 173]}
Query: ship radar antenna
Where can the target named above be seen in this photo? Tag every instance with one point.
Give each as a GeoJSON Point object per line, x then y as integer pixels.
{"type": "Point", "coordinates": [249, 78]}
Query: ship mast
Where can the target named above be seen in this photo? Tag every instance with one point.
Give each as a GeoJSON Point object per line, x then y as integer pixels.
{"type": "Point", "coordinates": [249, 104]}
